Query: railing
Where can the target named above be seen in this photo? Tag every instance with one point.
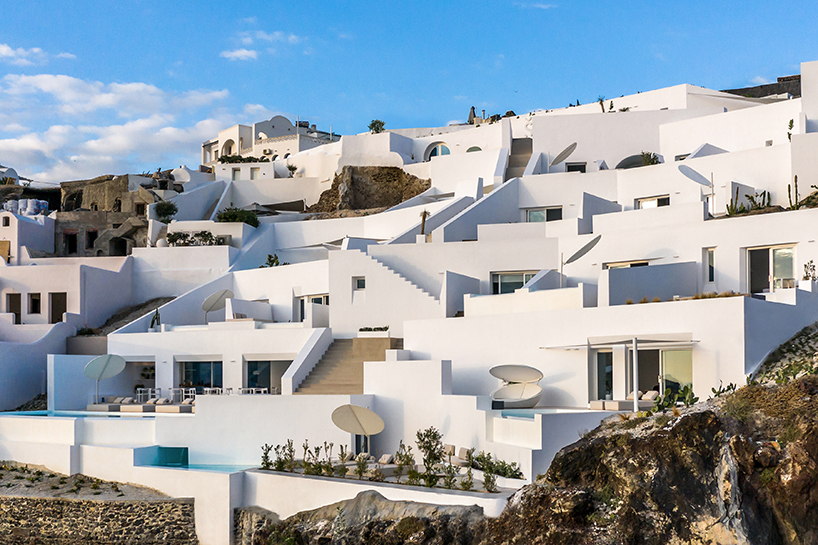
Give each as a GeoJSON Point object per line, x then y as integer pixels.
{"type": "Point", "coordinates": [177, 395]}
{"type": "Point", "coordinates": [257, 391]}
{"type": "Point", "coordinates": [144, 394]}
{"type": "Point", "coordinates": [218, 391]}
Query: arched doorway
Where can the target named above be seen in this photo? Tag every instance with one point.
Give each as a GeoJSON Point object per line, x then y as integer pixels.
{"type": "Point", "coordinates": [228, 147]}
{"type": "Point", "coordinates": [436, 150]}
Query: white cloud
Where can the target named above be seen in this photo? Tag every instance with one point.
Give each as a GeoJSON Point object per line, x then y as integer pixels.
{"type": "Point", "coordinates": [239, 54]}
{"type": "Point", "coordinates": [76, 97]}
{"type": "Point", "coordinates": [27, 57]}
{"type": "Point", "coordinates": [163, 128]}
{"type": "Point", "coordinates": [250, 20]}
{"type": "Point", "coordinates": [536, 5]}
{"type": "Point", "coordinates": [258, 111]}
{"type": "Point", "coordinates": [277, 36]}
{"type": "Point", "coordinates": [14, 127]}
{"type": "Point", "coordinates": [498, 60]}
{"type": "Point", "coordinates": [759, 80]}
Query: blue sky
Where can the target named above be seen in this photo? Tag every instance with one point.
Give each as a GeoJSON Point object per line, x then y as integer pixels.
{"type": "Point", "coordinates": [89, 88]}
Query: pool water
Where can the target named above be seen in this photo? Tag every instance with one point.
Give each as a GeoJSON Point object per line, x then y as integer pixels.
{"type": "Point", "coordinates": [218, 467]}
{"type": "Point", "coordinates": [89, 414]}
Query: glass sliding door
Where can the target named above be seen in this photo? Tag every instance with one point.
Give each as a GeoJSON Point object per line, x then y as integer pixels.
{"type": "Point", "coordinates": [201, 375]}
{"type": "Point", "coordinates": [677, 369]}
{"type": "Point", "coordinates": [258, 374]}
{"type": "Point", "coordinates": [604, 375]}
{"type": "Point", "coordinates": [783, 268]}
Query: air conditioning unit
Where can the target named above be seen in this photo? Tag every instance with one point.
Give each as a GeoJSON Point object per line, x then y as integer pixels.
{"type": "Point", "coordinates": [224, 240]}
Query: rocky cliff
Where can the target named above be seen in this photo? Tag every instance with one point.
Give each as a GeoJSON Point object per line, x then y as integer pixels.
{"type": "Point", "coordinates": [741, 468]}
{"type": "Point", "coordinates": [359, 188]}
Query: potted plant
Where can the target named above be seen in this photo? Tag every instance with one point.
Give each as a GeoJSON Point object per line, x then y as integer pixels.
{"type": "Point", "coordinates": [374, 332]}
{"type": "Point", "coordinates": [807, 282]}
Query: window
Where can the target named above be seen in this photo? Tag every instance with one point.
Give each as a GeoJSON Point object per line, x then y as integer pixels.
{"type": "Point", "coordinates": [255, 173]}
{"type": "Point", "coordinates": [236, 174]}
{"type": "Point", "coordinates": [201, 374]}
{"type": "Point", "coordinates": [140, 209]}
{"type": "Point", "coordinates": [6, 222]}
{"type": "Point", "coordinates": [69, 243]}
{"type": "Point", "coordinates": [551, 213]}
{"type": "Point", "coordinates": [681, 157]}
{"type": "Point", "coordinates": [359, 283]}
{"type": "Point", "coordinates": [710, 264]}
{"type": "Point", "coordinates": [574, 167]}
{"type": "Point", "coordinates": [771, 269]}
{"type": "Point", "coordinates": [439, 149]}
{"type": "Point", "coordinates": [624, 264]}
{"type": "Point", "coordinates": [509, 281]}
{"type": "Point", "coordinates": [34, 303]}
{"type": "Point", "coordinates": [90, 237]}
{"type": "Point", "coordinates": [473, 149]}
{"type": "Point", "coordinates": [653, 202]}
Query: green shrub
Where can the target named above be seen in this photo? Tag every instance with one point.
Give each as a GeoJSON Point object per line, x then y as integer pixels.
{"type": "Point", "coordinates": [360, 465]}
{"type": "Point", "coordinates": [767, 476]}
{"type": "Point", "coordinates": [403, 459]}
{"type": "Point", "coordinates": [165, 210]}
{"type": "Point", "coordinates": [430, 444]}
{"type": "Point", "coordinates": [266, 463]}
{"type": "Point", "coordinates": [408, 526]}
{"type": "Point", "coordinates": [450, 476]}
{"type": "Point", "coordinates": [489, 482]}
{"type": "Point", "coordinates": [467, 482]}
{"type": "Point", "coordinates": [238, 215]}
{"type": "Point", "coordinates": [737, 407]}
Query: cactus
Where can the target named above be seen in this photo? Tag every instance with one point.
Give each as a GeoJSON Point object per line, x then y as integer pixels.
{"type": "Point", "coordinates": [793, 205]}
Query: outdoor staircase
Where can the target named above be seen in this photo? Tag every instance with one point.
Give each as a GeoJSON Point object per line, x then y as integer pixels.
{"type": "Point", "coordinates": [405, 279]}
{"type": "Point", "coordinates": [341, 369]}
{"type": "Point", "coordinates": [518, 158]}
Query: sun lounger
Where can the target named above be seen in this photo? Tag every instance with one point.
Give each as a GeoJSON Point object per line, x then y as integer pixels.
{"type": "Point", "coordinates": [175, 409]}
{"type": "Point", "coordinates": [646, 401]}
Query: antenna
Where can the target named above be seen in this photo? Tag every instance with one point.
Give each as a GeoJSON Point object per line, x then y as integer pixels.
{"type": "Point", "coordinates": [216, 301]}
{"type": "Point", "coordinates": [105, 366]}
{"type": "Point", "coordinates": [563, 155]}
{"type": "Point", "coordinates": [578, 254]}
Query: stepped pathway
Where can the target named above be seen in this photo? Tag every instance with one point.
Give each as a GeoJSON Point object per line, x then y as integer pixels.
{"type": "Point", "coordinates": [405, 279]}
{"type": "Point", "coordinates": [518, 158]}
{"type": "Point", "coordinates": [341, 368]}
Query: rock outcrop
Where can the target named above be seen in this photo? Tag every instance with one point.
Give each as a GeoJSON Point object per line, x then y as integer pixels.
{"type": "Point", "coordinates": [358, 188]}
{"type": "Point", "coordinates": [741, 468]}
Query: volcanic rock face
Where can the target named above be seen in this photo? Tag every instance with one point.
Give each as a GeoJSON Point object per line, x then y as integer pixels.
{"type": "Point", "coordinates": [738, 469]}
{"type": "Point", "coordinates": [357, 188]}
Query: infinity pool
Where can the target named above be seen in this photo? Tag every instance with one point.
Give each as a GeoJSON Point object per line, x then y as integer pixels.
{"type": "Point", "coordinates": [91, 414]}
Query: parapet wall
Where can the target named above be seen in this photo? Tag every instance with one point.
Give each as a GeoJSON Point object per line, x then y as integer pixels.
{"type": "Point", "coordinates": [25, 520]}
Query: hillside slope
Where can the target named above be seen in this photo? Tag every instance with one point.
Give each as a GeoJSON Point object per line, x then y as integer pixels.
{"type": "Point", "coordinates": [741, 468]}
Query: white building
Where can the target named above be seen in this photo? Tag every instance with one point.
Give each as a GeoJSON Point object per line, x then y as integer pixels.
{"type": "Point", "coordinates": [490, 280]}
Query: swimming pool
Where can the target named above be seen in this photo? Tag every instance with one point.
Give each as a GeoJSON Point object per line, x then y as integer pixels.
{"type": "Point", "coordinates": [529, 413]}
{"type": "Point", "coordinates": [91, 414]}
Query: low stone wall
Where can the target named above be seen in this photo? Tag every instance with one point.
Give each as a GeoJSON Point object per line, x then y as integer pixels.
{"type": "Point", "coordinates": [27, 520]}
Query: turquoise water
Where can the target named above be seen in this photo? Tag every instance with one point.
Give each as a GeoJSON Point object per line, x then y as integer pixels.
{"type": "Point", "coordinates": [529, 413]}
{"type": "Point", "coordinates": [89, 414]}
{"type": "Point", "coordinates": [218, 467]}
